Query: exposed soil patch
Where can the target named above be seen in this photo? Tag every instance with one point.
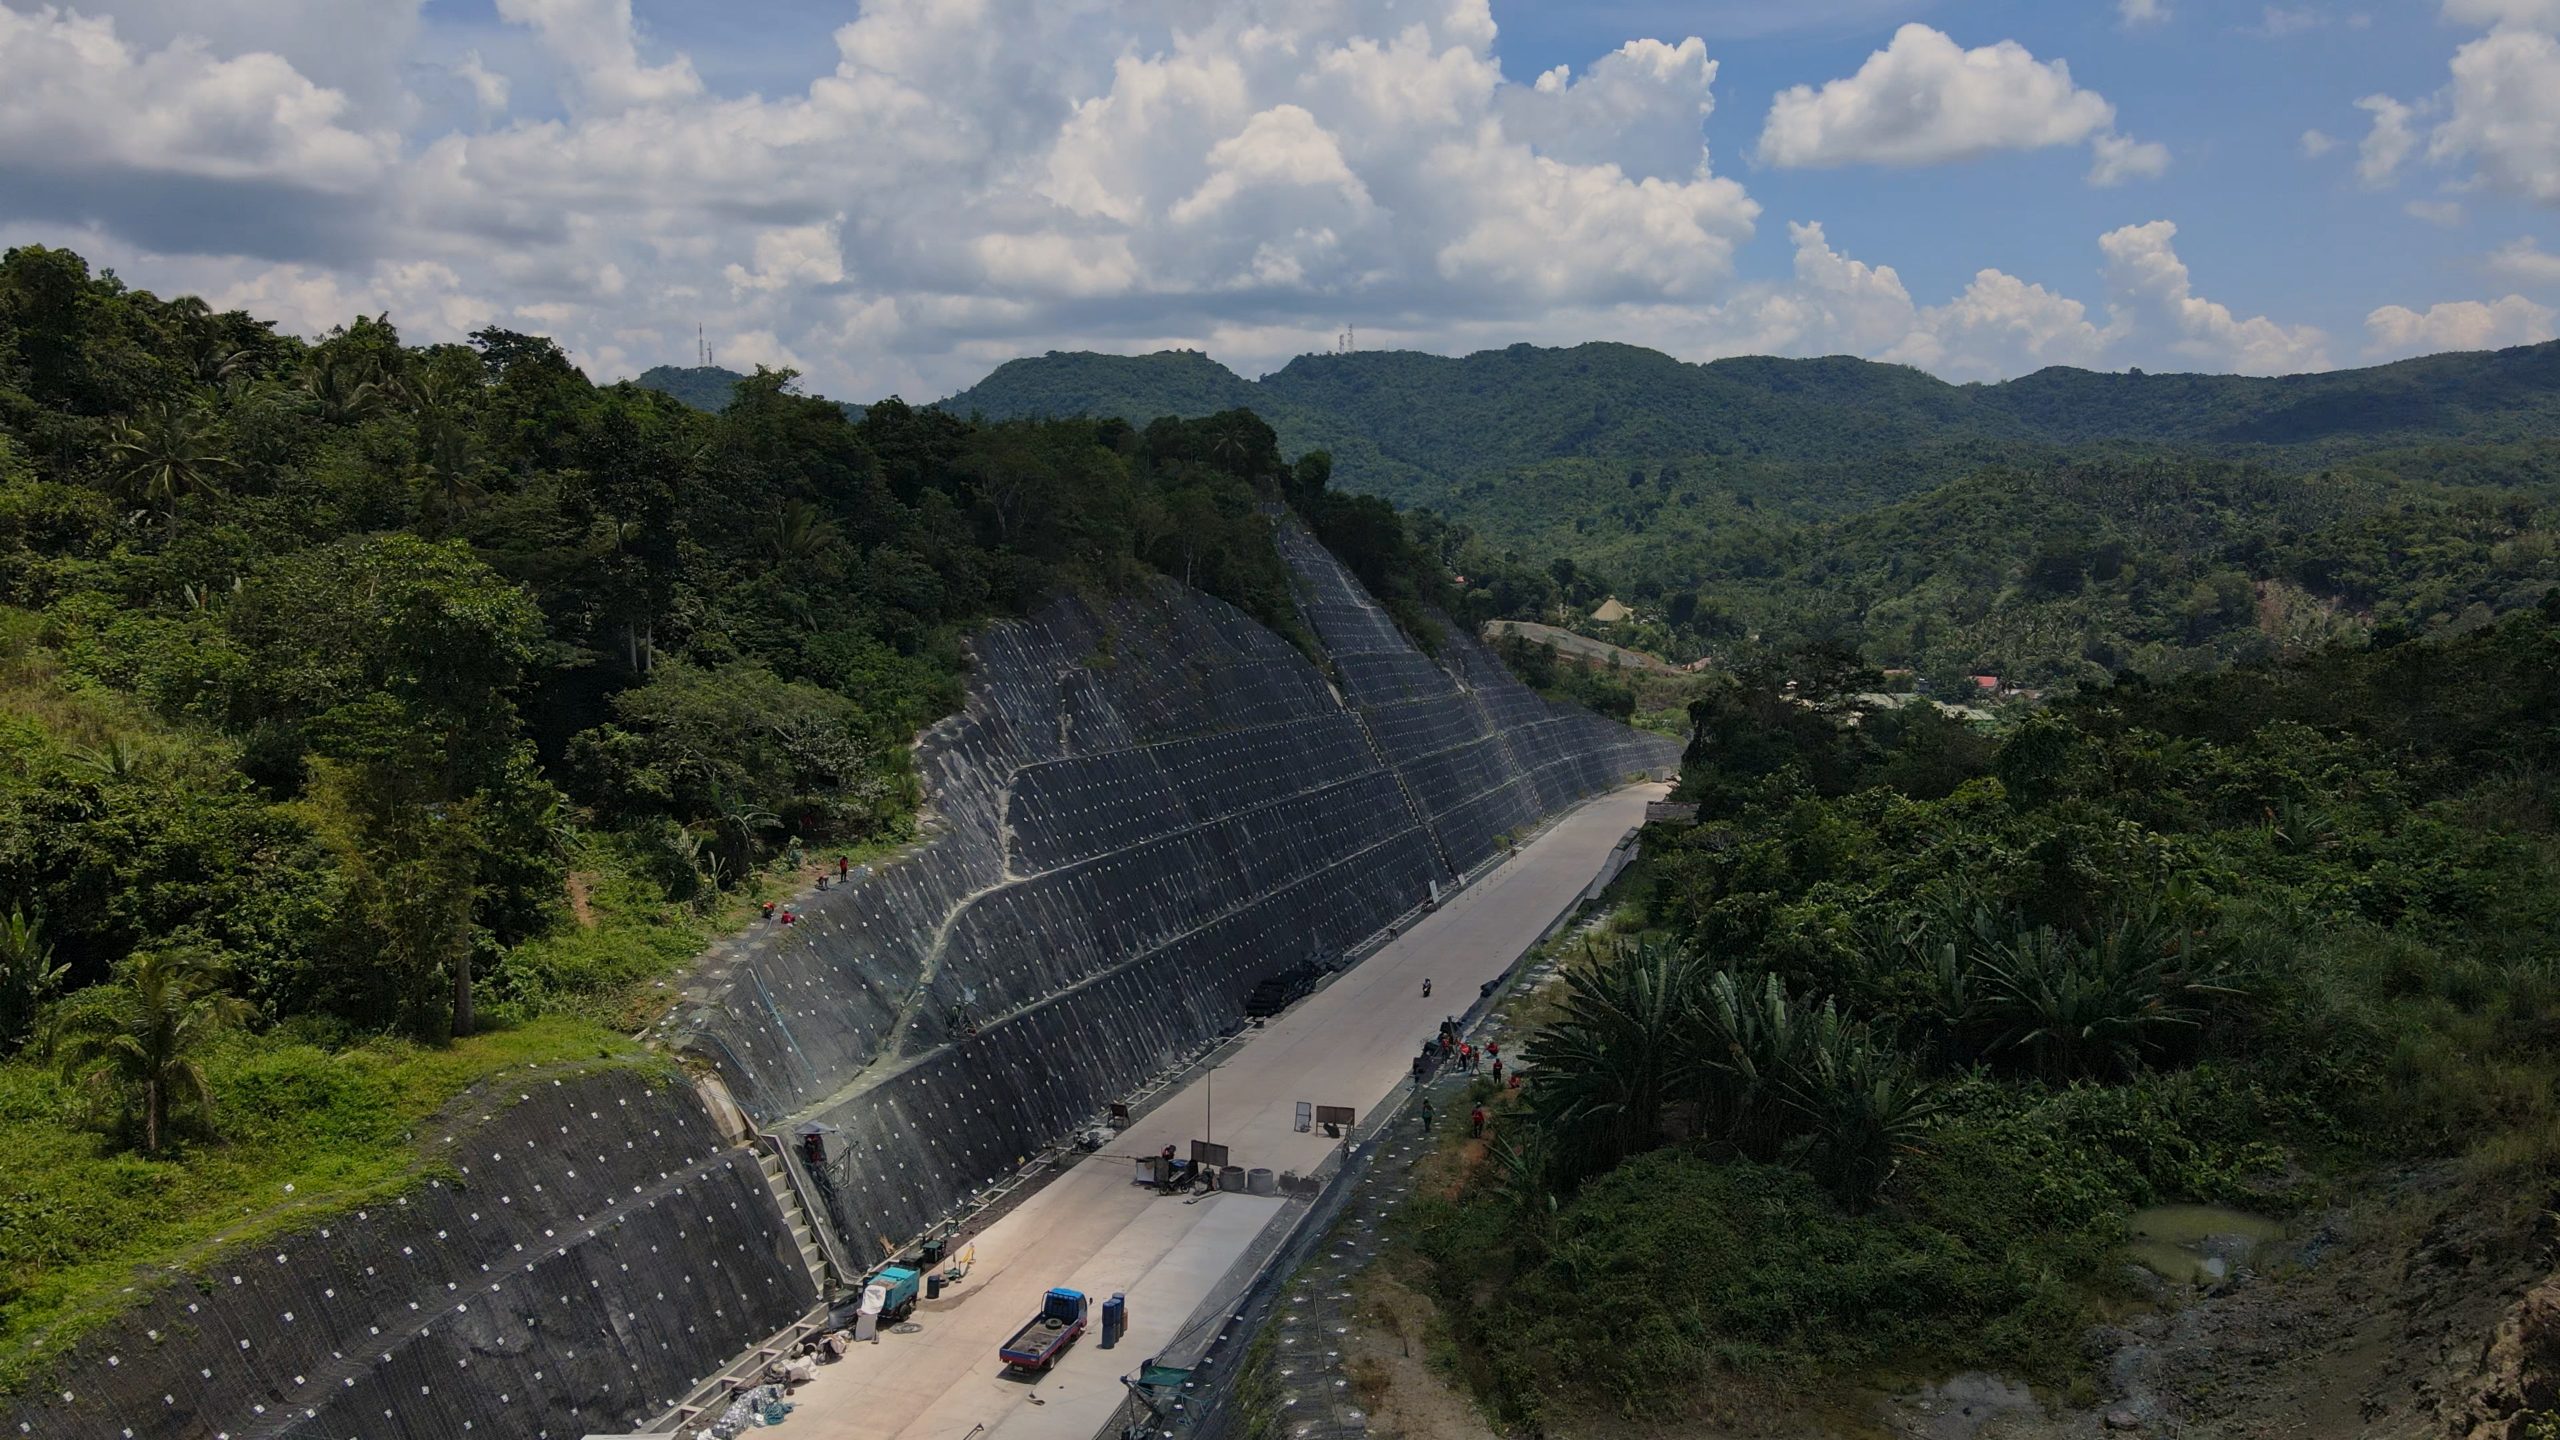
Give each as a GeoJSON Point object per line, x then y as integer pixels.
{"type": "Point", "coordinates": [1389, 1361]}
{"type": "Point", "coordinates": [2424, 1314]}
{"type": "Point", "coordinates": [2375, 1322]}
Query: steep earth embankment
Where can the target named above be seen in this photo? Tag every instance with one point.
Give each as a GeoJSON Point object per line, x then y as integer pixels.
{"type": "Point", "coordinates": [1141, 812]}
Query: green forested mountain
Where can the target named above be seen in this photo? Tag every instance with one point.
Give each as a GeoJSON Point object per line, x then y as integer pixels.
{"type": "Point", "coordinates": [2047, 529]}
{"type": "Point", "coordinates": [712, 387]}
{"type": "Point", "coordinates": [2160, 562]}
{"type": "Point", "coordinates": [1439, 425]}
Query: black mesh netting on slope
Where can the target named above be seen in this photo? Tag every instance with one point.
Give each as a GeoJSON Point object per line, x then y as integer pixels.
{"type": "Point", "coordinates": [593, 1251]}
{"type": "Point", "coordinates": [1138, 816]}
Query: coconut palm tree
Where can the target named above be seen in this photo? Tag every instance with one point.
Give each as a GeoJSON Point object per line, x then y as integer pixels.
{"type": "Point", "coordinates": [139, 1038]}
{"type": "Point", "coordinates": [346, 388]}
{"type": "Point", "coordinates": [160, 456]}
{"type": "Point", "coordinates": [798, 531]}
{"type": "Point", "coordinates": [735, 829]}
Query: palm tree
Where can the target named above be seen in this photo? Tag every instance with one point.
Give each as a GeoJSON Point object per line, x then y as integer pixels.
{"type": "Point", "coordinates": [28, 976]}
{"type": "Point", "coordinates": [1863, 1110]}
{"type": "Point", "coordinates": [736, 825]}
{"type": "Point", "coordinates": [139, 1037]}
{"type": "Point", "coordinates": [2085, 1009]}
{"type": "Point", "coordinates": [445, 460]}
{"type": "Point", "coordinates": [345, 389]}
{"type": "Point", "coordinates": [160, 457]}
{"type": "Point", "coordinates": [796, 532]}
{"type": "Point", "coordinates": [1616, 1056]}
{"type": "Point", "coordinates": [118, 759]}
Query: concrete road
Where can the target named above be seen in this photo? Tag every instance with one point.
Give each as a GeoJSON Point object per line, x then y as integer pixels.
{"type": "Point", "coordinates": [1350, 1044]}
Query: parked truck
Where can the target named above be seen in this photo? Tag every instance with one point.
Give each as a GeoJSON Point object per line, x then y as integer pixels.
{"type": "Point", "coordinates": [1038, 1345]}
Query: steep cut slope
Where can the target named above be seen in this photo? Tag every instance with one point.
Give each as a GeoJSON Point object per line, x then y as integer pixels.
{"type": "Point", "coordinates": [1141, 813]}
{"type": "Point", "coordinates": [592, 1247]}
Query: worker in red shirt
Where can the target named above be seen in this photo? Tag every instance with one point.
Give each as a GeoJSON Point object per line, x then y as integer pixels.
{"type": "Point", "coordinates": [1475, 1121]}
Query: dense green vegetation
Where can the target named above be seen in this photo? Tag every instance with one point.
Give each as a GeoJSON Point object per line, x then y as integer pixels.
{"type": "Point", "coordinates": [1904, 1030]}
{"type": "Point", "coordinates": [1438, 423]}
{"type": "Point", "coordinates": [375, 715]}
{"type": "Point", "coordinates": [2050, 529]}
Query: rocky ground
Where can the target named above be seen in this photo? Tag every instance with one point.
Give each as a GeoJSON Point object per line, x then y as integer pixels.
{"type": "Point", "coordinates": [2384, 1321]}
{"type": "Point", "coordinates": [2420, 1315]}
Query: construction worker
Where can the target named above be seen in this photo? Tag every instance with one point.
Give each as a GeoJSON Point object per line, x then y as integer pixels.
{"type": "Point", "coordinates": [1475, 1122]}
{"type": "Point", "coordinates": [1426, 987]}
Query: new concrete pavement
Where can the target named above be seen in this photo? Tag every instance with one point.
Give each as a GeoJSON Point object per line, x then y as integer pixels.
{"type": "Point", "coordinates": [1351, 1044]}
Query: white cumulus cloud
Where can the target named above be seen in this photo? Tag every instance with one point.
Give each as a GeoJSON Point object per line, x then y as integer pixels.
{"type": "Point", "coordinates": [970, 180]}
{"type": "Point", "coordinates": [2118, 158]}
{"type": "Point", "coordinates": [2141, 12]}
{"type": "Point", "coordinates": [2396, 330]}
{"type": "Point", "coordinates": [595, 41]}
{"type": "Point", "coordinates": [2503, 113]}
{"type": "Point", "coordinates": [74, 95]}
{"type": "Point", "coordinates": [488, 87]}
{"type": "Point", "coordinates": [2523, 261]}
{"type": "Point", "coordinates": [2152, 298]}
{"type": "Point", "coordinates": [1640, 107]}
{"type": "Point", "coordinates": [1925, 100]}
{"type": "Point", "coordinates": [2390, 140]}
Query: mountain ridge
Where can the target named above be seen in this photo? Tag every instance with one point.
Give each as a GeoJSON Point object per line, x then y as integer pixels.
{"type": "Point", "coordinates": [1404, 424]}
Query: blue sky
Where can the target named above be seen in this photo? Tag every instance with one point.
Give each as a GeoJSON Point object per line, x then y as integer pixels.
{"type": "Point", "coordinates": [898, 194]}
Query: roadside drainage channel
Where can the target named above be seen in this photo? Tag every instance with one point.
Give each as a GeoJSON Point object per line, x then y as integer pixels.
{"type": "Point", "coordinates": [1306, 1372]}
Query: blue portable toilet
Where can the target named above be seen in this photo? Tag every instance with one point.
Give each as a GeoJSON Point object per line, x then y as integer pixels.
{"type": "Point", "coordinates": [1115, 1318]}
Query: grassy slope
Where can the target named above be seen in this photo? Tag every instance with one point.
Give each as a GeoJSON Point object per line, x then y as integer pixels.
{"type": "Point", "coordinates": [305, 1122]}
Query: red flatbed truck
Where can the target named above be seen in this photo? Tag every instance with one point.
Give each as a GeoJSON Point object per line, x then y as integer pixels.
{"type": "Point", "coordinates": [1038, 1345]}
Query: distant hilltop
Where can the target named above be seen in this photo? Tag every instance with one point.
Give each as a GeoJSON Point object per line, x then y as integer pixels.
{"type": "Point", "coordinates": [1420, 428]}
{"type": "Point", "coordinates": [708, 387]}
{"type": "Point", "coordinates": [1409, 426]}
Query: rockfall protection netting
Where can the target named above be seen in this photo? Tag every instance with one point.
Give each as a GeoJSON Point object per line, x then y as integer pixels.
{"type": "Point", "coordinates": [592, 1250]}
{"type": "Point", "coordinates": [1140, 813]}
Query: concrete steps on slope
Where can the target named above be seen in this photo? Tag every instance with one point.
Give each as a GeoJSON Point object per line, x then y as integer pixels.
{"type": "Point", "coordinates": [794, 1213]}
